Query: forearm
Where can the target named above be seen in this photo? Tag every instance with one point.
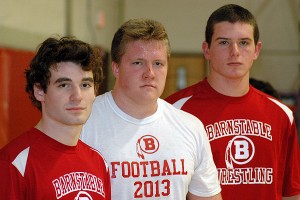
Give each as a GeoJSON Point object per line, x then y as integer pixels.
{"type": "Point", "coordinates": [190, 196]}
{"type": "Point", "coordinates": [297, 197]}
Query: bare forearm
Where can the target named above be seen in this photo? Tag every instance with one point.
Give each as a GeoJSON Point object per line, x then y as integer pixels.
{"type": "Point", "coordinates": [190, 196]}
{"type": "Point", "coordinates": [297, 197]}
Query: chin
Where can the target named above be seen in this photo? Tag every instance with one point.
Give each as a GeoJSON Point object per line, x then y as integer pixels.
{"type": "Point", "coordinates": [78, 122]}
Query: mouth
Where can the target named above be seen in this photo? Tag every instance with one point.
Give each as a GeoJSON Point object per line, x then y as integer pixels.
{"type": "Point", "coordinates": [75, 109]}
{"type": "Point", "coordinates": [148, 86]}
{"type": "Point", "coordinates": [234, 64]}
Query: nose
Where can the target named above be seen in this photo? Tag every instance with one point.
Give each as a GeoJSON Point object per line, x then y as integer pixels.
{"type": "Point", "coordinates": [76, 94]}
{"type": "Point", "coordinates": [148, 73]}
{"type": "Point", "coordinates": [235, 51]}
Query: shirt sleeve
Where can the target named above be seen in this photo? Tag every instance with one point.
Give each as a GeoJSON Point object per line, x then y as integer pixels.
{"type": "Point", "coordinates": [11, 182]}
{"type": "Point", "coordinates": [205, 181]}
{"type": "Point", "coordinates": [291, 184]}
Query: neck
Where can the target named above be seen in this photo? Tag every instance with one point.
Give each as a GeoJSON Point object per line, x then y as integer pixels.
{"type": "Point", "coordinates": [132, 108]}
{"type": "Point", "coordinates": [68, 135]}
{"type": "Point", "coordinates": [229, 87]}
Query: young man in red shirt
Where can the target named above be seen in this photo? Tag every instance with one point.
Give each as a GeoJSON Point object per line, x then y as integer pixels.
{"type": "Point", "coordinates": [49, 161]}
{"type": "Point", "coordinates": [252, 135]}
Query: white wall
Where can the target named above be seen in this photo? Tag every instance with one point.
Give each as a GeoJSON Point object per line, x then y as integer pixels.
{"type": "Point", "coordinates": [279, 62]}
{"type": "Point", "coordinates": [26, 23]}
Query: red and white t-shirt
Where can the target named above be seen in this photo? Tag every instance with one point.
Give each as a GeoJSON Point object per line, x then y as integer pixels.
{"type": "Point", "coordinates": [34, 166]}
{"type": "Point", "coordinates": [253, 139]}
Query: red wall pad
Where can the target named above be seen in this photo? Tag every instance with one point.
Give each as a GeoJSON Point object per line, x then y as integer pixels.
{"type": "Point", "coordinates": [17, 114]}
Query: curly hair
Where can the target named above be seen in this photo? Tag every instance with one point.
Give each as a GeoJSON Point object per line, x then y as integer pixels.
{"type": "Point", "coordinates": [64, 49]}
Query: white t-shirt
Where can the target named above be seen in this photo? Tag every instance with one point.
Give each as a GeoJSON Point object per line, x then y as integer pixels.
{"type": "Point", "coordinates": [162, 156]}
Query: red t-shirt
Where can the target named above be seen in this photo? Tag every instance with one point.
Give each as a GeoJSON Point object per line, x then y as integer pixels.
{"type": "Point", "coordinates": [34, 166]}
{"type": "Point", "coordinates": [253, 139]}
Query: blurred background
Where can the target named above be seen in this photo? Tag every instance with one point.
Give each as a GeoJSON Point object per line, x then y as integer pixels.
{"type": "Point", "coordinates": [24, 24]}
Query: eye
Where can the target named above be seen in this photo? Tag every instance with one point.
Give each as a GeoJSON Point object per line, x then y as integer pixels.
{"type": "Point", "coordinates": [86, 85]}
{"type": "Point", "coordinates": [158, 64]}
{"type": "Point", "coordinates": [63, 85]}
{"type": "Point", "coordinates": [137, 63]}
{"type": "Point", "coordinates": [244, 43]}
{"type": "Point", "coordinates": [223, 42]}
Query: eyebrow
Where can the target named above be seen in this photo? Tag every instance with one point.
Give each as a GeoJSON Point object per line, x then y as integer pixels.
{"type": "Point", "coordinates": [59, 80]}
{"type": "Point", "coordinates": [89, 79]}
{"type": "Point", "coordinates": [223, 38]}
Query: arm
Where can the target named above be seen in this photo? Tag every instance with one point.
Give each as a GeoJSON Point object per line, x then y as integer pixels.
{"type": "Point", "coordinates": [297, 197]}
{"type": "Point", "coordinates": [11, 183]}
{"type": "Point", "coordinates": [190, 196]}
{"type": "Point", "coordinates": [291, 181]}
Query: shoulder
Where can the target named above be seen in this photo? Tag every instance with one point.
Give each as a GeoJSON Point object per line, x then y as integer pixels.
{"type": "Point", "coordinates": [100, 103]}
{"type": "Point", "coordinates": [17, 152]}
{"type": "Point", "coordinates": [100, 99]}
{"type": "Point", "coordinates": [90, 151]}
{"type": "Point", "coordinates": [273, 104]}
{"type": "Point", "coordinates": [186, 92]}
{"type": "Point", "coordinates": [180, 116]}
{"type": "Point", "coordinates": [19, 145]}
{"type": "Point", "coordinates": [284, 108]}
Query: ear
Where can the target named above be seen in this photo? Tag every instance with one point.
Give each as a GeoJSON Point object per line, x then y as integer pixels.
{"type": "Point", "coordinates": [115, 69]}
{"type": "Point", "coordinates": [39, 93]}
{"type": "Point", "coordinates": [205, 49]}
{"type": "Point", "coordinates": [257, 49]}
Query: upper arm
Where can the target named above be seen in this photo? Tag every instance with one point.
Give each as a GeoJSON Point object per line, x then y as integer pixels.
{"type": "Point", "coordinates": [190, 196]}
{"type": "Point", "coordinates": [11, 183]}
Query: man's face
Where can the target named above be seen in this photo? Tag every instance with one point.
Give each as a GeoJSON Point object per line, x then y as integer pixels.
{"type": "Point", "coordinates": [232, 50]}
{"type": "Point", "coordinates": [142, 71]}
{"type": "Point", "coordinates": [69, 96]}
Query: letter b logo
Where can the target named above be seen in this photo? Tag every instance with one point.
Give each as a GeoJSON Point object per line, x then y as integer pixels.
{"type": "Point", "coordinates": [149, 143]}
{"type": "Point", "coordinates": [146, 144]}
{"type": "Point", "coordinates": [240, 150]}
